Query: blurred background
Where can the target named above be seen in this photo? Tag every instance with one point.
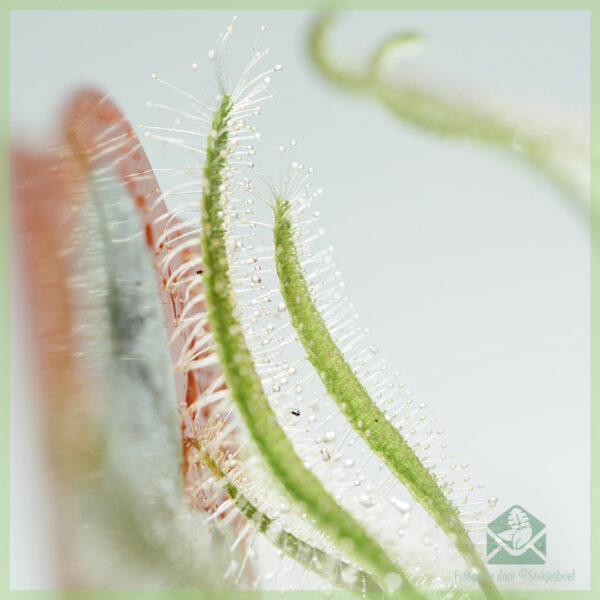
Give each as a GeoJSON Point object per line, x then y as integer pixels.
{"type": "Point", "coordinates": [470, 268]}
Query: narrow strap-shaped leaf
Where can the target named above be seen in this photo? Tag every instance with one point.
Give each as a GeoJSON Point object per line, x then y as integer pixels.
{"type": "Point", "coordinates": [307, 555]}
{"type": "Point", "coordinates": [246, 385]}
{"type": "Point", "coordinates": [353, 400]}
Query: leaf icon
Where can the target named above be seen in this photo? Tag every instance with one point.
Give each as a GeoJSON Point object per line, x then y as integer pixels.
{"type": "Point", "coordinates": [508, 535]}
{"type": "Point", "coordinates": [521, 537]}
{"type": "Point", "coordinates": [519, 532]}
{"type": "Point", "coordinates": [517, 518]}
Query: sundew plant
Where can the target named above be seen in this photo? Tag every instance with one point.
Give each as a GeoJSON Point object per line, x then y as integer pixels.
{"type": "Point", "coordinates": [311, 401]}
{"type": "Point", "coordinates": [218, 413]}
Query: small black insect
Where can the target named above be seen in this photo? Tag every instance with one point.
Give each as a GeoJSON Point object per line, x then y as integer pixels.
{"type": "Point", "coordinates": [295, 412]}
{"type": "Point", "coordinates": [199, 272]}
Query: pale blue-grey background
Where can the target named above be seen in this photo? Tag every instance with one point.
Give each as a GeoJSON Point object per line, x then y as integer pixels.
{"type": "Point", "coordinates": [470, 269]}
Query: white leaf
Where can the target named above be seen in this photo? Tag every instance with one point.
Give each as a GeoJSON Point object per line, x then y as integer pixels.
{"type": "Point", "coordinates": [517, 518]}
{"type": "Point", "coordinates": [507, 535]}
{"type": "Point", "coordinates": [522, 536]}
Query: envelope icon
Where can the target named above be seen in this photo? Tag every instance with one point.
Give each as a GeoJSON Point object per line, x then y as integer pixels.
{"type": "Point", "coordinates": [516, 537]}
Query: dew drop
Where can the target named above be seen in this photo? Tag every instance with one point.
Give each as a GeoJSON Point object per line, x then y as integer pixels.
{"type": "Point", "coordinates": [403, 507]}
{"type": "Point", "coordinates": [392, 581]}
{"type": "Point", "coordinates": [366, 500]}
{"type": "Point", "coordinates": [275, 527]}
{"type": "Point", "coordinates": [438, 583]}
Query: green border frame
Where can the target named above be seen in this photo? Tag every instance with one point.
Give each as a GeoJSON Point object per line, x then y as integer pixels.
{"type": "Point", "coordinates": [594, 591]}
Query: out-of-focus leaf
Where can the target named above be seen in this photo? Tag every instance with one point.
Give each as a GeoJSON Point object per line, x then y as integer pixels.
{"type": "Point", "coordinates": [108, 387]}
{"type": "Point", "coordinates": [559, 153]}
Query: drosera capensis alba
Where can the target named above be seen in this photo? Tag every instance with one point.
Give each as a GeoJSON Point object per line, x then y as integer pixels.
{"type": "Point", "coordinates": [214, 471]}
{"type": "Point", "coordinates": [343, 384]}
{"type": "Point", "coordinates": [271, 385]}
{"type": "Point", "coordinates": [310, 557]}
